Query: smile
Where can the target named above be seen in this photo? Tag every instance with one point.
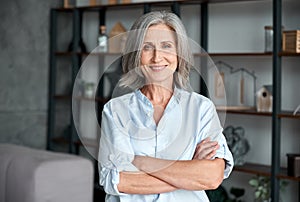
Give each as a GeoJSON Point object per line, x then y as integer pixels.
{"type": "Point", "coordinates": [158, 68]}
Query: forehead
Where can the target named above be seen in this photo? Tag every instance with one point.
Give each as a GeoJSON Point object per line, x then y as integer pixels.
{"type": "Point", "coordinates": [160, 32]}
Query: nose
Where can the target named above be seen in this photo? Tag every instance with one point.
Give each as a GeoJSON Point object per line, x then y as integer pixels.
{"type": "Point", "coordinates": [157, 55]}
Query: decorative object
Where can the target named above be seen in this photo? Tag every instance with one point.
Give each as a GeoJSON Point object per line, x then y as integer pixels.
{"type": "Point", "coordinates": [264, 99]}
{"type": "Point", "coordinates": [78, 46]}
{"type": "Point", "coordinates": [237, 193]}
{"type": "Point", "coordinates": [102, 40]}
{"type": "Point", "coordinates": [237, 143]}
{"type": "Point", "coordinates": [69, 3]}
{"type": "Point", "coordinates": [296, 110]}
{"type": "Point", "coordinates": [83, 3]}
{"type": "Point", "coordinates": [291, 41]}
{"type": "Point", "coordinates": [268, 38]}
{"type": "Point", "coordinates": [229, 86]}
{"type": "Point", "coordinates": [262, 190]}
{"type": "Point", "coordinates": [111, 2]}
{"type": "Point", "coordinates": [262, 185]}
{"type": "Point", "coordinates": [117, 38]}
{"type": "Point", "coordinates": [220, 194]}
{"type": "Point", "coordinates": [217, 195]}
{"type": "Point", "coordinates": [293, 165]}
{"type": "Point", "coordinates": [89, 89]}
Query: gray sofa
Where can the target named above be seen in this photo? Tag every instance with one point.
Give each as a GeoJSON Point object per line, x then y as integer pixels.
{"type": "Point", "coordinates": [31, 175]}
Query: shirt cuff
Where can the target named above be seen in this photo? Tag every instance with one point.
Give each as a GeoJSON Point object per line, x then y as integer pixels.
{"type": "Point", "coordinates": [110, 179]}
{"type": "Point", "coordinates": [110, 172]}
{"type": "Point", "coordinates": [225, 154]}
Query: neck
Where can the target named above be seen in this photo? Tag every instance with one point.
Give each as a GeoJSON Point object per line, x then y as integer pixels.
{"type": "Point", "coordinates": [158, 95]}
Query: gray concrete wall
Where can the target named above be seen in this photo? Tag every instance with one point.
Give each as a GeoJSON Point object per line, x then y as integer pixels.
{"type": "Point", "coordinates": [24, 53]}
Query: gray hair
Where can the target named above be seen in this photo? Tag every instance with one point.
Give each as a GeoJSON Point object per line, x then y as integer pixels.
{"type": "Point", "coordinates": [133, 77]}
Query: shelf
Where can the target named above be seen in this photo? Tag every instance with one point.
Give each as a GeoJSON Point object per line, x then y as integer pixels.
{"type": "Point", "coordinates": [89, 142]}
{"type": "Point", "coordinates": [97, 99]}
{"type": "Point", "coordinates": [69, 97]}
{"type": "Point", "coordinates": [232, 110]}
{"type": "Point", "coordinates": [263, 170]}
{"type": "Point", "coordinates": [289, 114]}
{"type": "Point", "coordinates": [62, 97]}
{"type": "Point", "coordinates": [62, 53]}
{"type": "Point", "coordinates": [154, 3]}
{"type": "Point", "coordinates": [241, 54]}
{"type": "Point", "coordinates": [289, 54]}
{"type": "Point", "coordinates": [60, 140]}
{"type": "Point", "coordinates": [244, 111]}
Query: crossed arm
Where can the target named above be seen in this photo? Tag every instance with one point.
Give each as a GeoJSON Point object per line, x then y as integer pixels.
{"type": "Point", "coordinates": [159, 175]}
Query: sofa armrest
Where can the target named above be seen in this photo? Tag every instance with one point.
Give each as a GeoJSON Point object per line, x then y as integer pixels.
{"type": "Point", "coordinates": [31, 175]}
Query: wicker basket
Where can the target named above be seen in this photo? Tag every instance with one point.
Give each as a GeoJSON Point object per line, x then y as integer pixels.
{"type": "Point", "coordinates": [291, 41]}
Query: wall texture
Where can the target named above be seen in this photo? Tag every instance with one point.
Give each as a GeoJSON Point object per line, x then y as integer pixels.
{"type": "Point", "coordinates": [24, 41]}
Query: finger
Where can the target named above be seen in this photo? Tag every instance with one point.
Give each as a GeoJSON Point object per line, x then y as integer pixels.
{"type": "Point", "coordinates": [214, 152]}
{"type": "Point", "coordinates": [206, 153]}
{"type": "Point", "coordinates": [210, 155]}
{"type": "Point", "coordinates": [201, 154]}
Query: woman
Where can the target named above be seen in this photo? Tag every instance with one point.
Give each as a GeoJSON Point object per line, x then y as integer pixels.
{"type": "Point", "coordinates": [160, 142]}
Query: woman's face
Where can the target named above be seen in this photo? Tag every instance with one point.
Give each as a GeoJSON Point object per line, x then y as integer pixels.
{"type": "Point", "coordinates": [159, 54]}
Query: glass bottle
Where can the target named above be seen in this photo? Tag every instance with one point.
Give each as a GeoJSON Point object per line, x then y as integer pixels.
{"type": "Point", "coordinates": [268, 38]}
{"type": "Point", "coordinates": [102, 40]}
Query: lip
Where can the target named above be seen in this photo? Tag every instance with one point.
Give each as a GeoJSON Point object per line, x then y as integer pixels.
{"type": "Point", "coordinates": [157, 68]}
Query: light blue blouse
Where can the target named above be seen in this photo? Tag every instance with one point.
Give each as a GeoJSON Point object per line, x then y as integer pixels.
{"type": "Point", "coordinates": [128, 129]}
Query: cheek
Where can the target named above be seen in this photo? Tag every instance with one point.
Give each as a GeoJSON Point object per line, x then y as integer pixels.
{"type": "Point", "coordinates": [144, 59]}
{"type": "Point", "coordinates": [174, 61]}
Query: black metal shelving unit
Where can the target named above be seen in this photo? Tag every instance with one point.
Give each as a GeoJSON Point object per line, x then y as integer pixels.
{"type": "Point", "coordinates": [274, 170]}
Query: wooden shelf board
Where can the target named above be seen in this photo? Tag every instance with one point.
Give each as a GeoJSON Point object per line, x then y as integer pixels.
{"type": "Point", "coordinates": [97, 99]}
{"type": "Point", "coordinates": [95, 53]}
{"type": "Point", "coordinates": [289, 114]}
{"type": "Point", "coordinates": [62, 97]}
{"type": "Point", "coordinates": [154, 3]}
{"type": "Point", "coordinates": [254, 169]}
{"type": "Point", "coordinates": [61, 53]}
{"type": "Point", "coordinates": [68, 97]}
{"type": "Point", "coordinates": [289, 54]}
{"type": "Point", "coordinates": [70, 53]}
{"type": "Point", "coordinates": [60, 140]}
{"type": "Point", "coordinates": [242, 54]}
{"type": "Point", "coordinates": [246, 111]}
{"type": "Point", "coordinates": [256, 54]}
{"type": "Point", "coordinates": [237, 110]}
{"type": "Point", "coordinates": [87, 142]}
{"type": "Point", "coordinates": [263, 170]}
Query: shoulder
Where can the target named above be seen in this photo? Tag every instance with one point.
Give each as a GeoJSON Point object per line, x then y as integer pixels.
{"type": "Point", "coordinates": [195, 99]}
{"type": "Point", "coordinates": [120, 102]}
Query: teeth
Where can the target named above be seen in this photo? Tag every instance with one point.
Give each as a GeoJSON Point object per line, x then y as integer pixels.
{"type": "Point", "coordinates": [157, 67]}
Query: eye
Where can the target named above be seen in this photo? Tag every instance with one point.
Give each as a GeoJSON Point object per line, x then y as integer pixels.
{"type": "Point", "coordinates": [167, 45]}
{"type": "Point", "coordinates": [148, 47]}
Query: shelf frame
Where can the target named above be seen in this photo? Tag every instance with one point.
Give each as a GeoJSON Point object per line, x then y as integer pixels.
{"type": "Point", "coordinates": [276, 121]}
{"type": "Point", "coordinates": [274, 171]}
{"type": "Point", "coordinates": [52, 73]}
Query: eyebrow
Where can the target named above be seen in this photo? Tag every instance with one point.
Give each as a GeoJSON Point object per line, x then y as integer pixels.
{"type": "Point", "coordinates": [149, 42]}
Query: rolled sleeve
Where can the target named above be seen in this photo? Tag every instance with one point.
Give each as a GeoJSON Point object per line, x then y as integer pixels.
{"type": "Point", "coordinates": [109, 179]}
{"type": "Point", "coordinates": [225, 154]}
{"type": "Point", "coordinates": [115, 153]}
{"type": "Point", "coordinates": [212, 128]}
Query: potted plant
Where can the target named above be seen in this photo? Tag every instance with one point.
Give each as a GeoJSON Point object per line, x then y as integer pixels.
{"type": "Point", "coordinates": [262, 185]}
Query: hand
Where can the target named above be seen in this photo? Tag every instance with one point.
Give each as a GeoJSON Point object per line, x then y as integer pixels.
{"type": "Point", "coordinates": [206, 149]}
